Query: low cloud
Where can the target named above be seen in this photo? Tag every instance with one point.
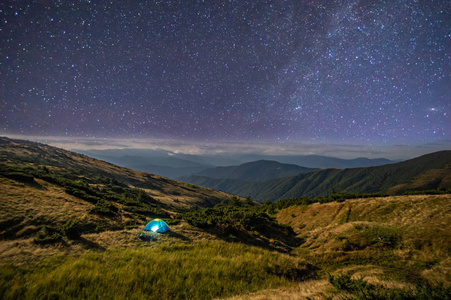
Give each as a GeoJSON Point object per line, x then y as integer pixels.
{"type": "Point", "coordinates": [399, 151]}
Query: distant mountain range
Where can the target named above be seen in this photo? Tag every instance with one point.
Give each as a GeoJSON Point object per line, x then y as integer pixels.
{"type": "Point", "coordinates": [178, 165]}
{"type": "Point", "coordinates": [262, 180]}
{"type": "Point", "coordinates": [260, 170]}
{"type": "Point", "coordinates": [430, 171]}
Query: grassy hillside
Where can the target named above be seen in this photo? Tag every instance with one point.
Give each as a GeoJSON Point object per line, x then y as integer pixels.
{"type": "Point", "coordinates": [427, 172]}
{"type": "Point", "coordinates": [68, 231]}
{"type": "Point", "coordinates": [378, 248]}
{"type": "Point", "coordinates": [391, 240]}
{"type": "Point", "coordinates": [46, 188]}
{"type": "Point", "coordinates": [201, 270]}
{"type": "Point", "coordinates": [38, 157]}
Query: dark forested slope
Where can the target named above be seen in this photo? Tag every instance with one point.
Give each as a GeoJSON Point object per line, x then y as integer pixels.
{"type": "Point", "coordinates": [429, 171]}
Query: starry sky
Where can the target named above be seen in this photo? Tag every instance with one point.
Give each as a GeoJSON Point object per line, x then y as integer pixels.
{"type": "Point", "coordinates": [336, 71]}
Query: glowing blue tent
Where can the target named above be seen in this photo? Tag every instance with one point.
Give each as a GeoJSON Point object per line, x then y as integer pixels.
{"type": "Point", "coordinates": [157, 225]}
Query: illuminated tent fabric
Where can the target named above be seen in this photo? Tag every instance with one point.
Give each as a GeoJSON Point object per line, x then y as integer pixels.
{"type": "Point", "coordinates": [157, 225]}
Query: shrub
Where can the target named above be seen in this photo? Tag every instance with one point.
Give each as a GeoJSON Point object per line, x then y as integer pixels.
{"type": "Point", "coordinates": [293, 273]}
{"type": "Point", "coordinates": [81, 194]}
{"type": "Point", "coordinates": [19, 177]}
{"type": "Point", "coordinates": [344, 282]}
{"type": "Point", "coordinates": [48, 235]}
{"type": "Point", "coordinates": [51, 234]}
{"type": "Point", "coordinates": [364, 290]}
{"type": "Point", "coordinates": [234, 217]}
{"type": "Point", "coordinates": [104, 208]}
{"type": "Point", "coordinates": [71, 229]}
{"type": "Point", "coordinates": [385, 236]}
{"type": "Point", "coordinates": [130, 224]}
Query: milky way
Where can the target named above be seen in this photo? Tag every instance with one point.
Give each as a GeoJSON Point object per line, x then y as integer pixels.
{"type": "Point", "coordinates": [344, 71]}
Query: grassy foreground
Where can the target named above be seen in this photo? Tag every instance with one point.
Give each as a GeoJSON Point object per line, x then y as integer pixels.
{"type": "Point", "coordinates": [200, 270]}
{"type": "Point", "coordinates": [371, 248]}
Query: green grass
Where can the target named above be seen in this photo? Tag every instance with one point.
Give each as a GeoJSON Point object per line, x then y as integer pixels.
{"type": "Point", "coordinates": [361, 289]}
{"type": "Point", "coordinates": [201, 270]}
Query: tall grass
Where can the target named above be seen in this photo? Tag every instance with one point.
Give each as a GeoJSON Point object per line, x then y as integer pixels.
{"type": "Point", "coordinates": [361, 289]}
{"type": "Point", "coordinates": [200, 270]}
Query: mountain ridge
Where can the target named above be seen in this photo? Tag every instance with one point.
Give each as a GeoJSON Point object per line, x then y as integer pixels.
{"type": "Point", "coordinates": [173, 165]}
{"type": "Point", "coordinates": [391, 179]}
{"type": "Point", "coordinates": [260, 170]}
{"type": "Point", "coordinates": [78, 166]}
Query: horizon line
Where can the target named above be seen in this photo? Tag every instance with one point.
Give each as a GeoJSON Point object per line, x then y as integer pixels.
{"type": "Point", "coordinates": [332, 149]}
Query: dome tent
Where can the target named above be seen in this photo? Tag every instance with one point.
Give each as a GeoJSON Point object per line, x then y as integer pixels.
{"type": "Point", "coordinates": [157, 225]}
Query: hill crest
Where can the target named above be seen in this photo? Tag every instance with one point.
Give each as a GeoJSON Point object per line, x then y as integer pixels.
{"type": "Point", "coordinates": [93, 192]}
{"type": "Point", "coordinates": [260, 170]}
{"type": "Point", "coordinates": [430, 171]}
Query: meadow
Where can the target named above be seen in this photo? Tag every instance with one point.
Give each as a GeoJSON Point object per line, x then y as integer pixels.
{"type": "Point", "coordinates": [368, 248]}
{"type": "Point", "coordinates": [200, 270]}
{"type": "Point", "coordinates": [69, 227]}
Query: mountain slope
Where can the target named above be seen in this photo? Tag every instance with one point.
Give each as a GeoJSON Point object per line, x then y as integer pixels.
{"type": "Point", "coordinates": [285, 250]}
{"type": "Point", "coordinates": [319, 161]}
{"type": "Point", "coordinates": [131, 158]}
{"type": "Point", "coordinates": [430, 171]}
{"type": "Point", "coordinates": [44, 185]}
{"type": "Point", "coordinates": [261, 170]}
{"type": "Point", "coordinates": [163, 163]}
{"type": "Point", "coordinates": [397, 236]}
{"type": "Point", "coordinates": [169, 172]}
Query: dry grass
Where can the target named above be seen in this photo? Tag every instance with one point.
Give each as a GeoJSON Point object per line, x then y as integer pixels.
{"type": "Point", "coordinates": [168, 191]}
{"type": "Point", "coordinates": [110, 240]}
{"type": "Point", "coordinates": [423, 223]}
{"type": "Point", "coordinates": [391, 235]}
{"type": "Point", "coordinates": [26, 207]}
{"type": "Point", "coordinates": [393, 241]}
{"type": "Point", "coordinates": [419, 214]}
{"type": "Point", "coordinates": [422, 220]}
{"type": "Point", "coordinates": [311, 289]}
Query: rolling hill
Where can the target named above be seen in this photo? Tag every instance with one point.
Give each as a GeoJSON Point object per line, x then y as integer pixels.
{"type": "Point", "coordinates": [261, 170]}
{"type": "Point", "coordinates": [176, 165]}
{"type": "Point", "coordinates": [320, 161]}
{"type": "Point", "coordinates": [430, 171]}
{"type": "Point", "coordinates": [36, 178]}
{"type": "Point", "coordinates": [69, 226]}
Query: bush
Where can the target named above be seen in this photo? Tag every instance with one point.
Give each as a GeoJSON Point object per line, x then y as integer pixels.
{"type": "Point", "coordinates": [71, 229]}
{"type": "Point", "coordinates": [52, 234]}
{"type": "Point", "coordinates": [81, 194]}
{"type": "Point", "coordinates": [48, 235]}
{"type": "Point", "coordinates": [345, 283]}
{"type": "Point", "coordinates": [130, 224]}
{"type": "Point", "coordinates": [364, 290]}
{"type": "Point", "coordinates": [104, 208]}
{"type": "Point", "coordinates": [19, 177]}
{"type": "Point", "coordinates": [293, 273]}
{"type": "Point", "coordinates": [385, 236]}
{"type": "Point", "coordinates": [438, 191]}
{"type": "Point", "coordinates": [234, 217]}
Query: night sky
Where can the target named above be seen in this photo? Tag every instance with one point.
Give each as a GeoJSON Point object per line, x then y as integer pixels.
{"type": "Point", "coordinates": [350, 71]}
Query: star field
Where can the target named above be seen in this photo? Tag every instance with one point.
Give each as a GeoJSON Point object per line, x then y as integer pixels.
{"type": "Point", "coordinates": [346, 71]}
